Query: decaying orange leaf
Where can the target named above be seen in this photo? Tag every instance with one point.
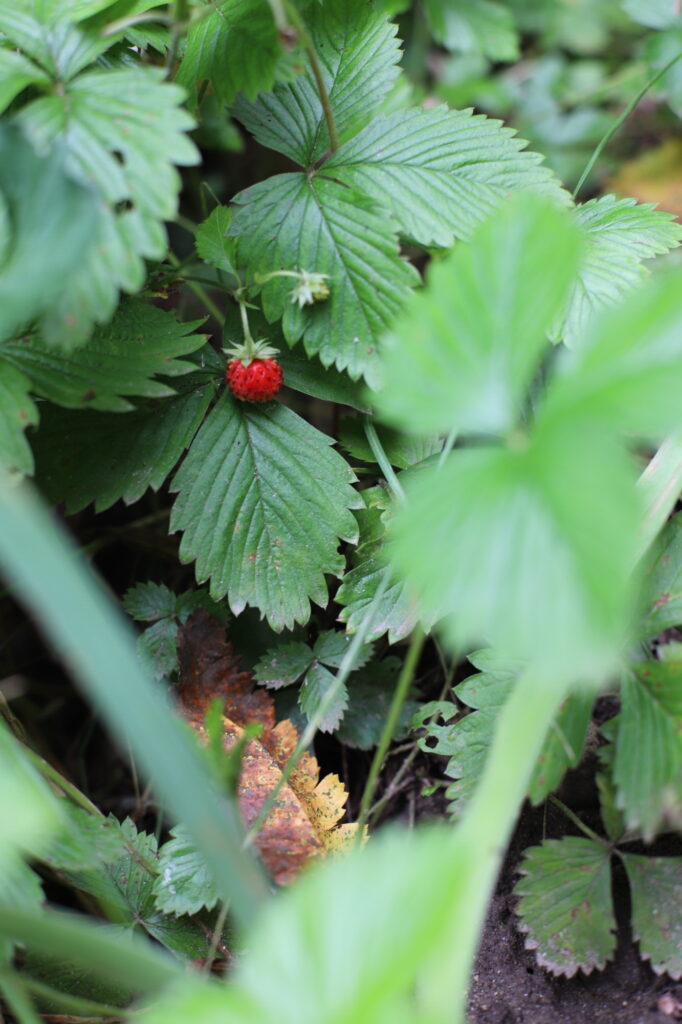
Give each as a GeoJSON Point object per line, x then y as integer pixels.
{"type": "Point", "coordinates": [655, 177]}
{"type": "Point", "coordinates": [303, 823]}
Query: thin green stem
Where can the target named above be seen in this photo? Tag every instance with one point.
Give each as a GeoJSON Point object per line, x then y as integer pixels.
{"type": "Point", "coordinates": [217, 936]}
{"type": "Point", "coordinates": [585, 829]}
{"type": "Point", "coordinates": [383, 460]}
{"type": "Point", "coordinates": [404, 682]}
{"type": "Point", "coordinates": [199, 292]}
{"type": "Point", "coordinates": [345, 669]}
{"type": "Point", "coordinates": [619, 121]}
{"type": "Point", "coordinates": [298, 23]}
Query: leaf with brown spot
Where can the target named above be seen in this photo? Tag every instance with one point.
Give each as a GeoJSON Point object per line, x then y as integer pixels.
{"type": "Point", "coordinates": [303, 824]}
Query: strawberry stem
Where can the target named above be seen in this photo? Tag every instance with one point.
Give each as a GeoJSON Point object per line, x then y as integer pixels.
{"type": "Point", "coordinates": [249, 343]}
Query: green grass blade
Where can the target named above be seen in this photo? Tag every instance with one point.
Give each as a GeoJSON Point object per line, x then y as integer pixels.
{"type": "Point", "coordinates": [80, 620]}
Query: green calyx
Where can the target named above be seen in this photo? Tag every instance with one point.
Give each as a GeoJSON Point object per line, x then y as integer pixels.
{"type": "Point", "coordinates": [249, 350]}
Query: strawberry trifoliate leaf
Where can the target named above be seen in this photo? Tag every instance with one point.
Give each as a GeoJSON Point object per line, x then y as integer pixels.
{"type": "Point", "coordinates": [465, 350]}
{"type": "Point", "coordinates": [656, 892]}
{"type": "Point", "coordinates": [121, 359]}
{"type": "Point", "coordinates": [318, 681]}
{"type": "Point", "coordinates": [358, 54]}
{"type": "Point", "coordinates": [648, 754]}
{"type": "Point", "coordinates": [295, 221]}
{"type": "Point", "coordinates": [124, 887]}
{"type": "Point", "coordinates": [493, 531]}
{"type": "Point", "coordinates": [244, 519]}
{"type": "Point", "coordinates": [331, 647]}
{"type": "Point", "coordinates": [395, 613]}
{"type": "Point", "coordinates": [662, 584]}
{"type": "Point", "coordinates": [283, 665]}
{"type": "Point", "coordinates": [618, 235]}
{"type": "Point", "coordinates": [474, 26]}
{"type": "Point", "coordinates": [122, 130]}
{"type": "Point", "coordinates": [440, 172]}
{"type": "Point", "coordinates": [149, 602]}
{"type": "Point", "coordinates": [626, 376]}
{"type": "Point", "coordinates": [234, 44]}
{"type": "Point", "coordinates": [100, 457]}
{"type": "Point", "coordinates": [566, 908]}
{"type": "Point", "coordinates": [17, 412]}
{"type": "Point", "coordinates": [370, 693]}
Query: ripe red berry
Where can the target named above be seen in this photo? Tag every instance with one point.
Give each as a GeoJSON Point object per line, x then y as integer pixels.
{"type": "Point", "coordinates": [259, 381]}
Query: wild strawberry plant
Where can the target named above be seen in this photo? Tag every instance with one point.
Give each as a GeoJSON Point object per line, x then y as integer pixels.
{"type": "Point", "coordinates": [499, 406]}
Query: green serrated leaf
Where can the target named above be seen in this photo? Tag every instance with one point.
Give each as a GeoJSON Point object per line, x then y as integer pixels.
{"type": "Point", "coordinates": [618, 235]}
{"type": "Point", "coordinates": [627, 374]}
{"type": "Point", "coordinates": [609, 810]}
{"type": "Point", "coordinates": [17, 412]}
{"type": "Point", "coordinates": [370, 692]}
{"type": "Point", "coordinates": [358, 53]}
{"type": "Point", "coordinates": [122, 131]}
{"type": "Point", "coordinates": [241, 510]}
{"type": "Point", "coordinates": [85, 457]}
{"type": "Point", "coordinates": [662, 581]}
{"type": "Point", "coordinates": [648, 755]}
{"type": "Point", "coordinates": [331, 647]}
{"type": "Point", "coordinates": [184, 884]}
{"type": "Point", "coordinates": [401, 449]}
{"type": "Point", "coordinates": [234, 44]}
{"type": "Point", "coordinates": [43, 212]}
{"type": "Point", "coordinates": [295, 222]}
{"type": "Point", "coordinates": [158, 646]}
{"type": "Point", "coordinates": [395, 613]}
{"type": "Point", "coordinates": [316, 684]}
{"type": "Point", "coordinates": [474, 26]}
{"type": "Point", "coordinates": [656, 892]}
{"type": "Point", "coordinates": [123, 888]}
{"type": "Point", "coordinates": [308, 375]}
{"type": "Point", "coordinates": [283, 665]}
{"type": "Point", "coordinates": [558, 516]}
{"type": "Point", "coordinates": [149, 602]}
{"type": "Point", "coordinates": [213, 242]}
{"type": "Point", "coordinates": [465, 351]}
{"type": "Point", "coordinates": [122, 359]}
{"type": "Point", "coordinates": [566, 908]}
{"type": "Point", "coordinates": [439, 172]}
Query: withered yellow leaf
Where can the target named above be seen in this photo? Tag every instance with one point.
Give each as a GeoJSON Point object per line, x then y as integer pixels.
{"type": "Point", "coordinates": [303, 823]}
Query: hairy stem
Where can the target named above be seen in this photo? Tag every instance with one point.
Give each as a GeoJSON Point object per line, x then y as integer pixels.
{"type": "Point", "coordinates": [299, 25]}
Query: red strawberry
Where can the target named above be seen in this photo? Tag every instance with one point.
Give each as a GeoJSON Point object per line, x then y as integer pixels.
{"type": "Point", "coordinates": [256, 381]}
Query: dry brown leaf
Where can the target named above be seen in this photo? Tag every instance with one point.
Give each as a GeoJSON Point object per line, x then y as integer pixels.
{"type": "Point", "coordinates": [303, 823]}
{"type": "Point", "coordinates": [655, 177]}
